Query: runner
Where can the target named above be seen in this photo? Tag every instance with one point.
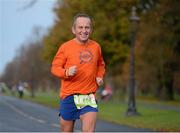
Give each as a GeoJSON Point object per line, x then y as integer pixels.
{"type": "Point", "coordinates": [80, 65]}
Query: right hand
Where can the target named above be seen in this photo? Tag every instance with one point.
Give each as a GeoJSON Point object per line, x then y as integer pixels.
{"type": "Point", "coordinates": [71, 71]}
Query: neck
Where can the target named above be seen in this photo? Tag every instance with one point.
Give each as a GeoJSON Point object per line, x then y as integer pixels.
{"type": "Point", "coordinates": [81, 42]}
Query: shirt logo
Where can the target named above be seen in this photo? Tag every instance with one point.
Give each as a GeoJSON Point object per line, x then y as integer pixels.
{"type": "Point", "coordinates": [86, 56]}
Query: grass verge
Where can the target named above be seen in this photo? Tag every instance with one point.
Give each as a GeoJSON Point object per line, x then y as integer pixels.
{"type": "Point", "coordinates": [152, 118]}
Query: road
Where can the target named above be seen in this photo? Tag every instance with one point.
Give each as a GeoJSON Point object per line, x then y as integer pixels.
{"type": "Point", "coordinates": [23, 116]}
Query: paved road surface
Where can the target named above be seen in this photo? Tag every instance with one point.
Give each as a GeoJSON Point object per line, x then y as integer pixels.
{"type": "Point", "coordinates": [22, 116]}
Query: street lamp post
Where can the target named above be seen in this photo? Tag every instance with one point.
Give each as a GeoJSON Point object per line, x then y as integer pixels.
{"type": "Point", "coordinates": [131, 89]}
{"type": "Point", "coordinates": [32, 80]}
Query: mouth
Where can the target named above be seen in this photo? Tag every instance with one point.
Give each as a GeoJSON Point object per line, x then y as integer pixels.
{"type": "Point", "coordinates": [84, 35]}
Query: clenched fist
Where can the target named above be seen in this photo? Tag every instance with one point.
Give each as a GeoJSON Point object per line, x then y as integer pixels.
{"type": "Point", "coordinates": [99, 81]}
{"type": "Point", "coordinates": [71, 71]}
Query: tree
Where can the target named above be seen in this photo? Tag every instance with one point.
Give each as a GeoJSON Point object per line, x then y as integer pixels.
{"type": "Point", "coordinates": [159, 49]}
{"type": "Point", "coordinates": [29, 66]}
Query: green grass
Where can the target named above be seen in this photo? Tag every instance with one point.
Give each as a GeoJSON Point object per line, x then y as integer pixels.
{"type": "Point", "coordinates": [152, 118]}
{"type": "Point", "coordinates": [49, 98]}
{"type": "Point", "coordinates": [151, 99]}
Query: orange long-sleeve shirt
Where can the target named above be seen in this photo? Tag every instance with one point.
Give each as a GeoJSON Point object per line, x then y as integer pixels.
{"type": "Point", "coordinates": [90, 64]}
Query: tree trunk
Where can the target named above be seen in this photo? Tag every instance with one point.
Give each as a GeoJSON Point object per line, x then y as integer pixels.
{"type": "Point", "coordinates": [169, 92]}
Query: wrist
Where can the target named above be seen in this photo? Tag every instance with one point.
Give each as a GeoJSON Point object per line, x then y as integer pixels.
{"type": "Point", "coordinates": [66, 73]}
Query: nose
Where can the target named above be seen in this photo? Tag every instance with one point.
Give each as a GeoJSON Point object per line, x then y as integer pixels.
{"type": "Point", "coordinates": [83, 29]}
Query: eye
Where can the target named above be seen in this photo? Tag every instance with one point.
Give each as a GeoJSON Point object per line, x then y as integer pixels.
{"type": "Point", "coordinates": [80, 27]}
{"type": "Point", "coordinates": [87, 27]}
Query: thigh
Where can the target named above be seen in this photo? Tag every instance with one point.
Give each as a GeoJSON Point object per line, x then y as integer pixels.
{"type": "Point", "coordinates": [68, 114]}
{"type": "Point", "coordinates": [68, 110]}
{"type": "Point", "coordinates": [88, 121]}
{"type": "Point", "coordinates": [66, 126]}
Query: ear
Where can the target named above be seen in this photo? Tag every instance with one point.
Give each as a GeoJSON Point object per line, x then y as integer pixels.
{"type": "Point", "coordinates": [91, 31]}
{"type": "Point", "coordinates": [73, 30]}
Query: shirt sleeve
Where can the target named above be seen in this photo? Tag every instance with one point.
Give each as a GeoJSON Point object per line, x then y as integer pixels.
{"type": "Point", "coordinates": [101, 65]}
{"type": "Point", "coordinates": [58, 63]}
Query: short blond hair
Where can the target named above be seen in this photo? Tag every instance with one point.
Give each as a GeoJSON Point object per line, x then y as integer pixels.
{"type": "Point", "coordinates": [84, 15]}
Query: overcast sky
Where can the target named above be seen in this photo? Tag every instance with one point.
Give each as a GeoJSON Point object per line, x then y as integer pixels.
{"type": "Point", "coordinates": [17, 22]}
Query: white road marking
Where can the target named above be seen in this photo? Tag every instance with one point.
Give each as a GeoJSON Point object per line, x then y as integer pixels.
{"type": "Point", "coordinates": [33, 118]}
{"type": "Point", "coordinates": [29, 116]}
{"type": "Point", "coordinates": [55, 125]}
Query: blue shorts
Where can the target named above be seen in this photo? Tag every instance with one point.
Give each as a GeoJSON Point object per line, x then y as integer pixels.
{"type": "Point", "coordinates": [68, 110]}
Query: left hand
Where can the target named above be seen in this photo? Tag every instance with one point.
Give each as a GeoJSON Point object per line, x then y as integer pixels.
{"type": "Point", "coordinates": [99, 81]}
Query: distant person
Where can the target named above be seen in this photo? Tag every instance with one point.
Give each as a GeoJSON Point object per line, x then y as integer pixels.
{"type": "Point", "coordinates": [20, 89]}
{"type": "Point", "coordinates": [106, 94]}
{"type": "Point", "coordinates": [80, 65]}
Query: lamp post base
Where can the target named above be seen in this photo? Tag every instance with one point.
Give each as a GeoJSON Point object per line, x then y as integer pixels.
{"type": "Point", "coordinates": [132, 112]}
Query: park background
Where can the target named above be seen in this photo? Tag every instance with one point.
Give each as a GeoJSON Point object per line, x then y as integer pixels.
{"type": "Point", "coordinates": [156, 41]}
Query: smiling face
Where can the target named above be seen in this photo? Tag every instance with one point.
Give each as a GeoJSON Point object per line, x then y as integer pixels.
{"type": "Point", "coordinates": [82, 29]}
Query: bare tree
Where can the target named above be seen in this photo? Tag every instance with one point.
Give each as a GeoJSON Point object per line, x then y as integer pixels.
{"type": "Point", "coordinates": [30, 4]}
